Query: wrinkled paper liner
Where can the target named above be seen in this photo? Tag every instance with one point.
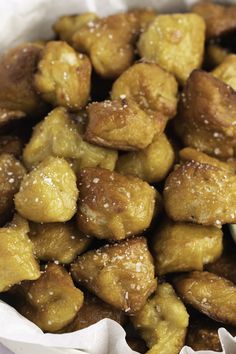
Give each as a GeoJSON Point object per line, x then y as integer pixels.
{"type": "Point", "coordinates": [26, 20]}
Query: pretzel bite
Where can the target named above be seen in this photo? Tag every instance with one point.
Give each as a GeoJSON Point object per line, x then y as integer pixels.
{"type": "Point", "coordinates": [162, 321]}
{"type": "Point", "coordinates": [17, 94]}
{"type": "Point", "coordinates": [11, 175]}
{"type": "Point", "coordinates": [201, 193]}
{"type": "Point", "coordinates": [175, 42]}
{"type": "Point", "coordinates": [210, 294]}
{"type": "Point", "coordinates": [108, 42]}
{"type": "Point", "coordinates": [17, 261]}
{"type": "Point", "coordinates": [63, 76]}
{"type": "Point", "coordinates": [61, 135]}
{"type": "Point", "coordinates": [121, 124]}
{"type": "Point", "coordinates": [151, 164]}
{"type": "Point", "coordinates": [60, 242]}
{"type": "Point", "coordinates": [10, 144]}
{"type": "Point", "coordinates": [151, 87]}
{"type": "Point", "coordinates": [48, 193]}
{"type": "Point", "coordinates": [206, 118]}
{"type": "Point", "coordinates": [181, 247]}
{"type": "Point", "coordinates": [215, 54]}
{"type": "Point", "coordinates": [52, 301]}
{"type": "Point", "coordinates": [190, 154]}
{"type": "Point", "coordinates": [66, 26]}
{"type": "Point", "coordinates": [93, 311]}
{"type": "Point", "coordinates": [219, 18]}
{"type": "Point", "coordinates": [112, 206]}
{"type": "Point", "coordinates": [121, 274]}
{"type": "Point", "coordinates": [226, 71]}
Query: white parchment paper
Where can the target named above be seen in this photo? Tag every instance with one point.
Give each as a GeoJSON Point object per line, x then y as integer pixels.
{"type": "Point", "coordinates": [22, 20]}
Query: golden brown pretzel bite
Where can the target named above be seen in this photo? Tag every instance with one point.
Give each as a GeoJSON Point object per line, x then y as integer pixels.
{"type": "Point", "coordinates": [48, 193]}
{"type": "Point", "coordinates": [61, 135]}
{"type": "Point", "coordinates": [162, 321]}
{"type": "Point", "coordinates": [57, 241]}
{"type": "Point", "coordinates": [201, 193]}
{"type": "Point", "coordinates": [63, 76]}
{"type": "Point", "coordinates": [181, 247]}
{"type": "Point", "coordinates": [17, 92]}
{"type": "Point", "coordinates": [206, 116]}
{"type": "Point", "coordinates": [150, 86]}
{"type": "Point", "coordinates": [209, 294]}
{"type": "Point", "coordinates": [112, 206]}
{"type": "Point", "coordinates": [122, 125]}
{"type": "Point", "coordinates": [17, 260]}
{"type": "Point", "coordinates": [52, 301]}
{"type": "Point", "coordinates": [121, 274]}
{"type": "Point", "coordinates": [175, 42]}
{"type": "Point", "coordinates": [108, 42]}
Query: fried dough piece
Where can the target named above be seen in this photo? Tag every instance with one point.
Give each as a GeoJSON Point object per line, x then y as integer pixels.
{"type": "Point", "coordinates": [226, 71]}
{"type": "Point", "coordinates": [181, 247]}
{"type": "Point", "coordinates": [17, 261]}
{"type": "Point", "coordinates": [63, 76]}
{"type": "Point", "coordinates": [108, 42]}
{"type": "Point", "coordinates": [11, 175]}
{"type": "Point", "coordinates": [175, 42]}
{"type": "Point", "coordinates": [66, 26]}
{"type": "Point", "coordinates": [93, 311]}
{"type": "Point", "coordinates": [60, 242]}
{"type": "Point", "coordinates": [121, 124]}
{"type": "Point", "coordinates": [61, 135]}
{"type": "Point", "coordinates": [17, 93]}
{"type": "Point", "coordinates": [52, 301]}
{"type": "Point", "coordinates": [162, 321]}
{"type": "Point", "coordinates": [219, 18]}
{"type": "Point", "coordinates": [201, 193]}
{"type": "Point", "coordinates": [112, 206]}
{"type": "Point", "coordinates": [151, 164]}
{"type": "Point", "coordinates": [206, 115]}
{"type": "Point", "coordinates": [150, 86]}
{"type": "Point", "coordinates": [210, 294]}
{"type": "Point", "coordinates": [10, 144]}
{"type": "Point", "coordinates": [190, 154]}
{"type": "Point", "coordinates": [121, 274]}
{"type": "Point", "coordinates": [48, 193]}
